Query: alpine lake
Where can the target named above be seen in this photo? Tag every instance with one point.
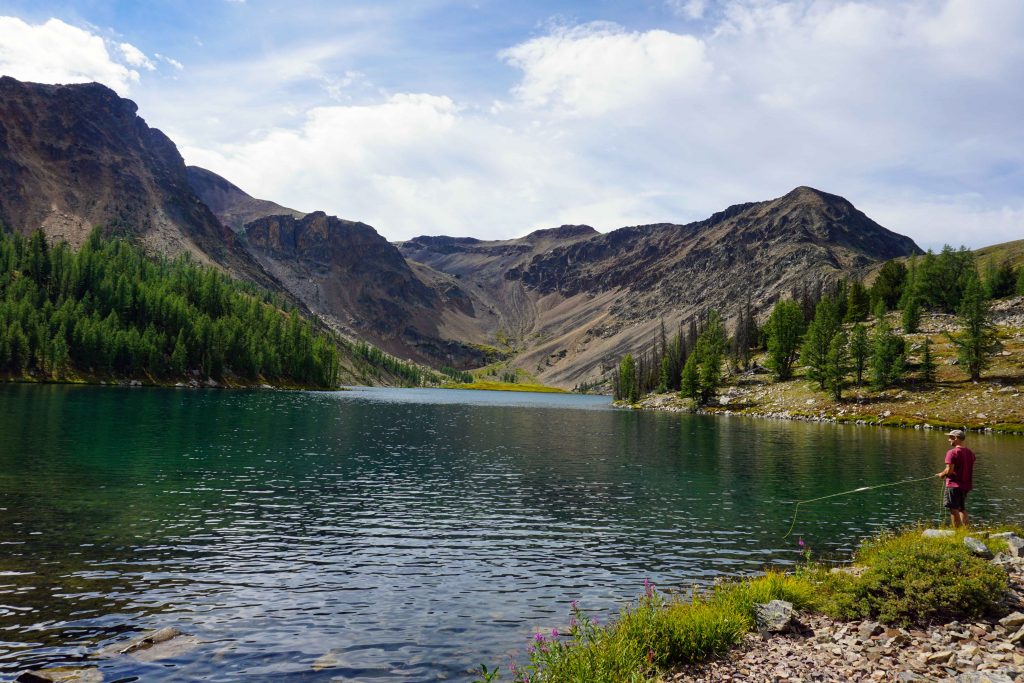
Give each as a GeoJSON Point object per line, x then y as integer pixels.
{"type": "Point", "coordinates": [408, 534]}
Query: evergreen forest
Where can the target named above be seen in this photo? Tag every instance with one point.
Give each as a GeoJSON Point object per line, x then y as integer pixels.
{"type": "Point", "coordinates": [838, 332]}
{"type": "Point", "coordinates": [110, 311]}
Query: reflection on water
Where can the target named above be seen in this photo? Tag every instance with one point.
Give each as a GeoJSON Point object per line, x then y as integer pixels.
{"type": "Point", "coordinates": [405, 535]}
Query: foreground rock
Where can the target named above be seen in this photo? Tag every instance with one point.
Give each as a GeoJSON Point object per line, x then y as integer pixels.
{"type": "Point", "coordinates": [62, 674]}
{"type": "Point", "coordinates": [153, 646]}
{"type": "Point", "coordinates": [828, 650]}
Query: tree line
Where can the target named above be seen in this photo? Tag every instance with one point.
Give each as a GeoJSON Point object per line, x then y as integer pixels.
{"type": "Point", "coordinates": [825, 329]}
{"type": "Point", "coordinates": [109, 309]}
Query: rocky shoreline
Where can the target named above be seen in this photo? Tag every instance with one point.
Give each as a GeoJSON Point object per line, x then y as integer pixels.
{"type": "Point", "coordinates": [817, 648]}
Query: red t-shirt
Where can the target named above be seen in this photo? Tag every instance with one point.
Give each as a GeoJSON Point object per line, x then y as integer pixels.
{"type": "Point", "coordinates": [962, 459]}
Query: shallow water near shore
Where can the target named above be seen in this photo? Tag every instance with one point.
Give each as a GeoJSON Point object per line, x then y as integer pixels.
{"type": "Point", "coordinates": [406, 535]}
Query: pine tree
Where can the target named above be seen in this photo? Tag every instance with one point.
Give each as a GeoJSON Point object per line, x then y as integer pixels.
{"type": "Point", "coordinates": [689, 381]}
{"type": "Point", "coordinates": [784, 329]}
{"type": "Point", "coordinates": [858, 303]}
{"type": "Point", "coordinates": [888, 285]}
{"type": "Point", "coordinates": [928, 370]}
{"type": "Point", "coordinates": [888, 353]}
{"type": "Point", "coordinates": [816, 341]}
{"type": "Point", "coordinates": [627, 380]}
{"type": "Point", "coordinates": [977, 342]}
{"type": "Point", "coordinates": [837, 366]}
{"type": "Point", "coordinates": [910, 317]}
{"type": "Point", "coordinates": [859, 350]}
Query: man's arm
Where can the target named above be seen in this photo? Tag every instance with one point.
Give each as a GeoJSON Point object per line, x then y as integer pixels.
{"type": "Point", "coordinates": [950, 469]}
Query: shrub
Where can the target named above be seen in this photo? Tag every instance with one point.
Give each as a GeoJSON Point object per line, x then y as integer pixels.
{"type": "Point", "coordinates": [911, 580]}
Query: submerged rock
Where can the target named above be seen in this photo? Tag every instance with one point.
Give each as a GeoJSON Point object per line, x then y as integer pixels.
{"type": "Point", "coordinates": [154, 646]}
{"type": "Point", "coordinates": [62, 674]}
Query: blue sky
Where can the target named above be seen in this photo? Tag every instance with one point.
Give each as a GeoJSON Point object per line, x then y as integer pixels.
{"type": "Point", "coordinates": [492, 119]}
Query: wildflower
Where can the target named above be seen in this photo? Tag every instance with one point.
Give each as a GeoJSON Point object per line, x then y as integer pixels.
{"type": "Point", "coordinates": [572, 622]}
{"type": "Point", "coordinates": [800, 542]}
{"type": "Point", "coordinates": [650, 656]}
{"type": "Point", "coordinates": [574, 605]}
{"type": "Point", "coordinates": [539, 637]}
{"type": "Point", "coordinates": [593, 620]}
{"type": "Point", "coordinates": [554, 633]}
{"type": "Point", "coordinates": [648, 587]}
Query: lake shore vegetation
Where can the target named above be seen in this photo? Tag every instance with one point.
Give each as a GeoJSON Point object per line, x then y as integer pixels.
{"type": "Point", "coordinates": [899, 580]}
{"type": "Point", "coordinates": [941, 348]}
{"type": "Point", "coordinates": [109, 312]}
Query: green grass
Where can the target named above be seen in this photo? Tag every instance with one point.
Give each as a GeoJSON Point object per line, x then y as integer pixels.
{"type": "Point", "coordinates": [906, 580]}
{"type": "Point", "coordinates": [505, 386]}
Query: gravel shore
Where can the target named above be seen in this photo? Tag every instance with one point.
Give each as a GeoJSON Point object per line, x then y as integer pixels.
{"type": "Point", "coordinates": [821, 649]}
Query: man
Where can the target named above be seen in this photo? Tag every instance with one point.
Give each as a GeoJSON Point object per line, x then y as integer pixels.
{"type": "Point", "coordinates": [959, 468]}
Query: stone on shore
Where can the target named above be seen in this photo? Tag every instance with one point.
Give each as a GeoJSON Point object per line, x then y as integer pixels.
{"type": "Point", "coordinates": [773, 617]}
{"type": "Point", "coordinates": [977, 547]}
{"type": "Point", "coordinates": [937, 533]}
{"type": "Point", "coordinates": [1016, 545]}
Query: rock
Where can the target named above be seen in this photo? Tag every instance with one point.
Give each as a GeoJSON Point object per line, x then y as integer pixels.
{"type": "Point", "coordinates": [937, 533]}
{"type": "Point", "coordinates": [62, 674]}
{"type": "Point", "coordinates": [908, 677]}
{"type": "Point", "coordinates": [1016, 545]}
{"type": "Point", "coordinates": [940, 657]}
{"type": "Point", "coordinates": [977, 547]}
{"type": "Point", "coordinates": [868, 629]}
{"type": "Point", "coordinates": [1018, 637]}
{"type": "Point", "coordinates": [1012, 622]}
{"type": "Point", "coordinates": [984, 677]}
{"type": "Point", "coordinates": [154, 646]}
{"type": "Point", "coordinates": [1002, 534]}
{"type": "Point", "coordinates": [773, 617]}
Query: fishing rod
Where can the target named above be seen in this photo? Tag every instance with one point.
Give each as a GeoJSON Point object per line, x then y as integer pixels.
{"type": "Point", "coordinates": [796, 511]}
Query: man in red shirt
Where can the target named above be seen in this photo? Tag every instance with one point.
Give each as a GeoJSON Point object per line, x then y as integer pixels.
{"type": "Point", "coordinates": [958, 474]}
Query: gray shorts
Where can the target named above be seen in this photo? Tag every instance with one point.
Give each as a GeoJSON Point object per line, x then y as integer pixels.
{"type": "Point", "coordinates": [955, 498]}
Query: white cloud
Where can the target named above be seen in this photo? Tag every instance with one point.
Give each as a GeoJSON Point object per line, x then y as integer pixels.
{"type": "Point", "coordinates": [911, 110]}
{"type": "Point", "coordinates": [599, 68]}
{"type": "Point", "coordinates": [691, 9]}
{"type": "Point", "coordinates": [56, 52]}
{"type": "Point", "coordinates": [133, 56]}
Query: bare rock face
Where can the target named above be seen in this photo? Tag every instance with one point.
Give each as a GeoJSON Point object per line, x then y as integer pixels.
{"type": "Point", "coordinates": [346, 272]}
{"type": "Point", "coordinates": [231, 204]}
{"type": "Point", "coordinates": [580, 300]}
{"type": "Point", "coordinates": [73, 157]}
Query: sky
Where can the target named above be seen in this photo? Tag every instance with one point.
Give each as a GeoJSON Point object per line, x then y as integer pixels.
{"type": "Point", "coordinates": [492, 119]}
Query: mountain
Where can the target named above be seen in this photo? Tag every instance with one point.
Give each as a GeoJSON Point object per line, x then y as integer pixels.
{"type": "Point", "coordinates": [76, 156]}
{"type": "Point", "coordinates": [562, 303]}
{"type": "Point", "coordinates": [229, 203]}
{"type": "Point", "coordinates": [577, 300]}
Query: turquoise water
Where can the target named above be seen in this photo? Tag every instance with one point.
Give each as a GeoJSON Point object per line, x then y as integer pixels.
{"type": "Point", "coordinates": [408, 535]}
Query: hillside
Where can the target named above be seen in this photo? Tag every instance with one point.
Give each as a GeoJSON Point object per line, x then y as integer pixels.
{"type": "Point", "coordinates": [952, 400]}
{"type": "Point", "coordinates": [560, 305]}
{"type": "Point", "coordinates": [574, 301]}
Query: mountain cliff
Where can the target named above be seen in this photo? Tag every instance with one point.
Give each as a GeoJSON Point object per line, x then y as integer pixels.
{"type": "Point", "coordinates": [73, 157]}
{"type": "Point", "coordinates": [577, 300]}
{"type": "Point", "coordinates": [562, 303]}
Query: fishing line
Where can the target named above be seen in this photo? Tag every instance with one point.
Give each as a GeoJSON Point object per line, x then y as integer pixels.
{"type": "Point", "coordinates": [796, 511]}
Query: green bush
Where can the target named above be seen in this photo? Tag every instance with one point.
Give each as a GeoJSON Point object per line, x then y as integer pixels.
{"type": "Point", "coordinates": [912, 580]}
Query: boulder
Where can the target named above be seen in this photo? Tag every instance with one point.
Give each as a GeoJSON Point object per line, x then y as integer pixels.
{"type": "Point", "coordinates": [937, 533]}
{"type": "Point", "coordinates": [984, 677]}
{"type": "Point", "coordinates": [773, 617]}
{"type": "Point", "coordinates": [62, 674]}
{"type": "Point", "coordinates": [977, 547]}
{"type": "Point", "coordinates": [1016, 545]}
{"type": "Point", "coordinates": [1012, 622]}
{"type": "Point", "coordinates": [153, 646]}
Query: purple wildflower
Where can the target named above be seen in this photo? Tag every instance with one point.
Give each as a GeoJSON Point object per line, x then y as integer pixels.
{"type": "Point", "coordinates": [554, 633]}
